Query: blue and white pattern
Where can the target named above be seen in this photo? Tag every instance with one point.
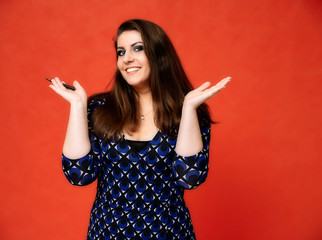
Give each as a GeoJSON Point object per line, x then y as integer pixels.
{"type": "Point", "coordinates": [139, 193]}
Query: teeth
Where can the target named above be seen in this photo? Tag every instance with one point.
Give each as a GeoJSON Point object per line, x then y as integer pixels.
{"type": "Point", "coordinates": [132, 69]}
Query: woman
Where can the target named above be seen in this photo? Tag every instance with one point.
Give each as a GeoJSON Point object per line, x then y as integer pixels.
{"type": "Point", "coordinates": [146, 141]}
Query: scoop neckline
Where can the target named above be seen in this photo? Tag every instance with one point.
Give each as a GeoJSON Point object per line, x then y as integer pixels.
{"type": "Point", "coordinates": [147, 141]}
{"type": "Point", "coordinates": [138, 141]}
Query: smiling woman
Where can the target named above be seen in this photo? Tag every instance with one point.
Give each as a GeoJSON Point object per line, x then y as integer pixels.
{"type": "Point", "coordinates": [146, 141]}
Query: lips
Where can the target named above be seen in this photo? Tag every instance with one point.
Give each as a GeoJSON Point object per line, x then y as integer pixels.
{"type": "Point", "coordinates": [132, 69]}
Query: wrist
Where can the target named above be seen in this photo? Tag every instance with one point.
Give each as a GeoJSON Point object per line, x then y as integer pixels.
{"type": "Point", "coordinates": [78, 104]}
{"type": "Point", "coordinates": [188, 111]}
{"type": "Point", "coordinates": [188, 106]}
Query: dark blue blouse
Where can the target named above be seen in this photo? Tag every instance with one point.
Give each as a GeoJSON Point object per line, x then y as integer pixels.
{"type": "Point", "coordinates": [139, 193]}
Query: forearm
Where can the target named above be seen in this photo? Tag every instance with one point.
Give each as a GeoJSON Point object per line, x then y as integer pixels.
{"type": "Point", "coordinates": [190, 166]}
{"type": "Point", "coordinates": [189, 141]}
{"type": "Point", "coordinates": [77, 143]}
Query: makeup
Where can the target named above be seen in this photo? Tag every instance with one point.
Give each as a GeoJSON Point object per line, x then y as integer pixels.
{"type": "Point", "coordinates": [65, 85]}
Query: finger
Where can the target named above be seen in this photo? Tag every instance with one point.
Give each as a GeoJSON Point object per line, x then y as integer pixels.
{"type": "Point", "coordinates": [61, 84]}
{"type": "Point", "coordinates": [56, 79]}
{"type": "Point", "coordinates": [221, 84]}
{"type": "Point", "coordinates": [58, 86]}
{"type": "Point", "coordinates": [225, 81]}
{"type": "Point", "coordinates": [204, 86]}
{"type": "Point", "coordinates": [56, 82]}
{"type": "Point", "coordinates": [215, 89]}
{"type": "Point", "coordinates": [63, 93]}
{"type": "Point", "coordinates": [77, 85]}
{"type": "Point", "coordinates": [56, 89]}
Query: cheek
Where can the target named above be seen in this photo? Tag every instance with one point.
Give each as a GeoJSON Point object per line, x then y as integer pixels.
{"type": "Point", "coordinates": [147, 64]}
{"type": "Point", "coordinates": [148, 69]}
{"type": "Point", "coordinates": [119, 67]}
{"type": "Point", "coordinates": [118, 64]}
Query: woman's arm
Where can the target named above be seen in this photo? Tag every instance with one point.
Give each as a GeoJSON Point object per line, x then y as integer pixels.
{"type": "Point", "coordinates": [189, 172]}
{"type": "Point", "coordinates": [77, 143]}
{"type": "Point", "coordinates": [189, 140]}
{"type": "Point", "coordinates": [190, 167]}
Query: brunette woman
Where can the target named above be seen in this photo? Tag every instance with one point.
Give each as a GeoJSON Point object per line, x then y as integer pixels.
{"type": "Point", "coordinates": [145, 141]}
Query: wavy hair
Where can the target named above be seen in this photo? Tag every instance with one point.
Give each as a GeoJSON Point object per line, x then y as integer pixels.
{"type": "Point", "coordinates": [168, 83]}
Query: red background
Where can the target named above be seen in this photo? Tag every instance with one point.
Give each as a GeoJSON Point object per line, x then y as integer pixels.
{"type": "Point", "coordinates": [265, 174]}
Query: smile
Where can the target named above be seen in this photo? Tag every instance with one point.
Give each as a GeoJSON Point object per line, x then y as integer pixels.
{"type": "Point", "coordinates": [133, 69]}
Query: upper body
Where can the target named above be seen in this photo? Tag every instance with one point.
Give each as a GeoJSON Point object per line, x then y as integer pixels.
{"type": "Point", "coordinates": [154, 92]}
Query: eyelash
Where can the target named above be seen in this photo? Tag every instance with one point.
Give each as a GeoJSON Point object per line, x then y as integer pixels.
{"type": "Point", "coordinates": [120, 53]}
{"type": "Point", "coordinates": [138, 48]}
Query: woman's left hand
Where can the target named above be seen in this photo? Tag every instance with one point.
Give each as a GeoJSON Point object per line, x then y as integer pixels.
{"type": "Point", "coordinates": [201, 94]}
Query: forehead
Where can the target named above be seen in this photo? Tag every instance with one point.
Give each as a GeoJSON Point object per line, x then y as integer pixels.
{"type": "Point", "coordinates": [128, 38]}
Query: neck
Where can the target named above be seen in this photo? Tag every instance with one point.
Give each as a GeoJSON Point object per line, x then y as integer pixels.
{"type": "Point", "coordinates": [146, 102]}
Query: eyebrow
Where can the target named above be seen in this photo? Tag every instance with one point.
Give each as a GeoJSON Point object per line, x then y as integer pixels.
{"type": "Point", "coordinates": [133, 44]}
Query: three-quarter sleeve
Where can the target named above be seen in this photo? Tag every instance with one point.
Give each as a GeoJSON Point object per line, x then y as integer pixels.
{"type": "Point", "coordinates": [190, 172]}
{"type": "Point", "coordinates": [85, 170]}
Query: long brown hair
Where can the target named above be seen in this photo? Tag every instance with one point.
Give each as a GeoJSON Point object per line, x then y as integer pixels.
{"type": "Point", "coordinates": [168, 83]}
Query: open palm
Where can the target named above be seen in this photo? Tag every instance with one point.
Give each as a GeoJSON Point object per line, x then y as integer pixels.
{"type": "Point", "coordinates": [201, 94]}
{"type": "Point", "coordinates": [79, 95]}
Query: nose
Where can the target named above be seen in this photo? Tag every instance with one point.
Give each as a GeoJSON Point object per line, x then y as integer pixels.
{"type": "Point", "coordinates": [127, 58]}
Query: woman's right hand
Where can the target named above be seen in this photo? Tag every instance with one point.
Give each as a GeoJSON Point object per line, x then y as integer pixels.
{"type": "Point", "coordinates": [77, 96]}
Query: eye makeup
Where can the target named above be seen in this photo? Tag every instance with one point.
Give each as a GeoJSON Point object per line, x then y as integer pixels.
{"type": "Point", "coordinates": [120, 52]}
{"type": "Point", "coordinates": [136, 48]}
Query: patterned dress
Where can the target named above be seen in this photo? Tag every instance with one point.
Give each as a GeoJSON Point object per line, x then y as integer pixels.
{"type": "Point", "coordinates": [139, 193]}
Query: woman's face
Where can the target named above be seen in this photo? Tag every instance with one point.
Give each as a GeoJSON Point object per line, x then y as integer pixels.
{"type": "Point", "coordinates": [132, 61]}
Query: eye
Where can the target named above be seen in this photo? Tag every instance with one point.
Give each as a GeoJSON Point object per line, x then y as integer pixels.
{"type": "Point", "coordinates": [120, 53]}
{"type": "Point", "coordinates": [138, 48]}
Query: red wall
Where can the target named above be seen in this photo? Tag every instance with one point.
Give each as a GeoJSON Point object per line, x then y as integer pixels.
{"type": "Point", "coordinates": [265, 170]}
